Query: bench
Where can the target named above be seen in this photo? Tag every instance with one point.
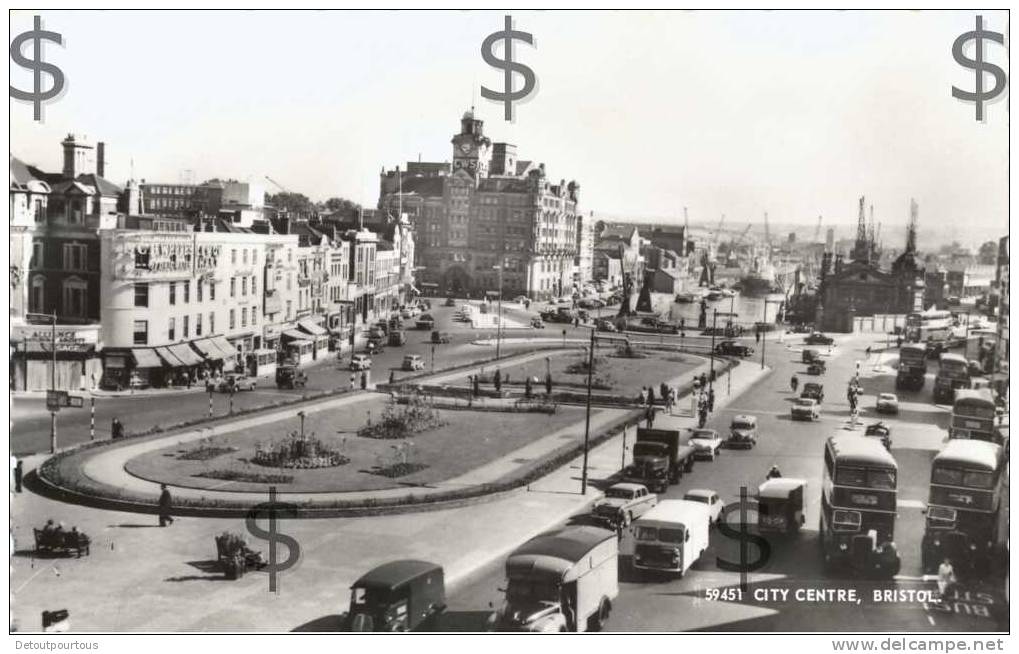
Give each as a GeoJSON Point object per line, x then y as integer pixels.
{"type": "Point", "coordinates": [61, 542]}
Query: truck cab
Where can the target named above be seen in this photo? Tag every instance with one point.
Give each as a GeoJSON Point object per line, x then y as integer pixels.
{"type": "Point", "coordinates": [671, 536]}
{"type": "Point", "coordinates": [660, 457]}
{"type": "Point", "coordinates": [397, 596]}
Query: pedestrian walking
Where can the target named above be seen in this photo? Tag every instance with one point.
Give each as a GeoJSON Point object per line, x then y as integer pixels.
{"type": "Point", "coordinates": [364, 380]}
{"type": "Point", "coordinates": [392, 376]}
{"type": "Point", "coordinates": [868, 352]}
{"type": "Point", "coordinates": [165, 503]}
{"type": "Point", "coordinates": [649, 415]}
{"type": "Point", "coordinates": [548, 383]}
{"type": "Point", "coordinates": [19, 470]}
{"type": "Point", "coordinates": [650, 396]}
{"type": "Point", "coordinates": [757, 336]}
{"type": "Point", "coordinates": [946, 577]}
{"type": "Point", "coordinates": [497, 380]}
{"type": "Point", "coordinates": [673, 396]}
{"type": "Point", "coordinates": [116, 429]}
{"type": "Point", "coordinates": [704, 380]}
{"type": "Point", "coordinates": [527, 388]}
{"type": "Point", "coordinates": [663, 391]}
{"type": "Point", "coordinates": [190, 379]}
{"type": "Point", "coordinates": [711, 400]}
{"type": "Point", "coordinates": [643, 395]}
{"type": "Point", "coordinates": [702, 417]}
{"type": "Point", "coordinates": [477, 384]}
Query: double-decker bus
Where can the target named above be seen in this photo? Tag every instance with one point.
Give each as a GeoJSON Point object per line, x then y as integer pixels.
{"type": "Point", "coordinates": [964, 506]}
{"type": "Point", "coordinates": [932, 325]}
{"type": "Point", "coordinates": [953, 373]}
{"type": "Point", "coordinates": [858, 504]}
{"type": "Point", "coordinates": [912, 367]}
{"type": "Point", "coordinates": [973, 414]}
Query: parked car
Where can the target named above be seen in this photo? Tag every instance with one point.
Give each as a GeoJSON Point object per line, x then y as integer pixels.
{"type": "Point", "coordinates": [537, 322]}
{"type": "Point", "coordinates": [235, 381]}
{"type": "Point", "coordinates": [624, 503]}
{"type": "Point", "coordinates": [440, 338]}
{"type": "Point", "coordinates": [887, 403]}
{"type": "Point", "coordinates": [360, 362]}
{"type": "Point", "coordinates": [413, 362]}
{"type": "Point", "coordinates": [743, 431]}
{"type": "Point", "coordinates": [817, 338]}
{"type": "Point", "coordinates": [732, 348]}
{"type": "Point", "coordinates": [805, 409]}
{"type": "Point", "coordinates": [290, 376]}
{"type": "Point", "coordinates": [708, 497]}
{"type": "Point", "coordinates": [813, 391]}
{"type": "Point", "coordinates": [520, 299]}
{"type": "Point", "coordinates": [707, 442]}
{"type": "Point", "coordinates": [450, 302]}
{"type": "Point", "coordinates": [425, 321]}
{"type": "Point", "coordinates": [810, 355]}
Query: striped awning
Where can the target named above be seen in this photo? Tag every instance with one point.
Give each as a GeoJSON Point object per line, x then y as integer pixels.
{"type": "Point", "coordinates": [224, 346]}
{"type": "Point", "coordinates": [208, 349]}
{"type": "Point", "coordinates": [311, 328]}
{"type": "Point", "coordinates": [187, 356]}
{"type": "Point", "coordinates": [145, 357]}
{"type": "Point", "coordinates": [169, 358]}
{"type": "Point", "coordinates": [294, 335]}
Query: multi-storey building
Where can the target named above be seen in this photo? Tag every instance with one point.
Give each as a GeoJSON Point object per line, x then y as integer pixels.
{"type": "Point", "coordinates": [584, 261]}
{"type": "Point", "coordinates": [487, 212]}
{"type": "Point", "coordinates": [1001, 279]}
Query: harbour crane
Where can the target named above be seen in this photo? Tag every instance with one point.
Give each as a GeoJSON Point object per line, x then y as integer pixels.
{"type": "Point", "coordinates": [277, 184]}
{"type": "Point", "coordinates": [739, 239]}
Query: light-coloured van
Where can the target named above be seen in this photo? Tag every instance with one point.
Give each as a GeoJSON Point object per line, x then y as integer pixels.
{"type": "Point", "coordinates": [671, 536]}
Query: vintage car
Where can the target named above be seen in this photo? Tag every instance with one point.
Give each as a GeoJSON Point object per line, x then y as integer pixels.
{"type": "Point", "coordinates": [537, 323]}
{"type": "Point", "coordinates": [817, 338]}
{"type": "Point", "coordinates": [407, 595]}
{"type": "Point", "coordinates": [817, 367]}
{"type": "Point", "coordinates": [624, 503]}
{"type": "Point", "coordinates": [397, 337]}
{"type": "Point", "coordinates": [360, 362]}
{"type": "Point", "coordinates": [732, 348]}
{"type": "Point", "coordinates": [780, 505]}
{"type": "Point", "coordinates": [743, 431]}
{"type": "Point", "coordinates": [805, 408]}
{"type": "Point", "coordinates": [707, 442]}
{"type": "Point", "coordinates": [813, 391]}
{"type": "Point", "coordinates": [290, 376]}
{"type": "Point", "coordinates": [440, 338]}
{"type": "Point", "coordinates": [605, 325]}
{"type": "Point", "coordinates": [413, 362]}
{"type": "Point", "coordinates": [425, 321]}
{"type": "Point", "coordinates": [709, 497]}
{"type": "Point", "coordinates": [810, 355]}
{"type": "Point", "coordinates": [887, 403]}
{"type": "Point", "coordinates": [234, 382]}
{"type": "Point", "coordinates": [450, 302]}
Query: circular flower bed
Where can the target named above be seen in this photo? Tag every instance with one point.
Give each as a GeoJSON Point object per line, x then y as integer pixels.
{"type": "Point", "coordinates": [298, 452]}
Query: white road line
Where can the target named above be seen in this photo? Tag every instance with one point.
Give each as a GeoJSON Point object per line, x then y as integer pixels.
{"type": "Point", "coordinates": [930, 619]}
{"type": "Point", "coordinates": [27, 581]}
{"type": "Point", "coordinates": [910, 504]}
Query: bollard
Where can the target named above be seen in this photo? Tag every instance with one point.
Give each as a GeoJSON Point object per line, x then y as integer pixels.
{"type": "Point", "coordinates": [92, 419]}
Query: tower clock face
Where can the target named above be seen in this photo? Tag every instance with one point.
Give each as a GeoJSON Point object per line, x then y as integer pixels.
{"type": "Point", "coordinates": [465, 147]}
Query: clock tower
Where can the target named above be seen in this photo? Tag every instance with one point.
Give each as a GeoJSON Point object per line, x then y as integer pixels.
{"type": "Point", "coordinates": [472, 150]}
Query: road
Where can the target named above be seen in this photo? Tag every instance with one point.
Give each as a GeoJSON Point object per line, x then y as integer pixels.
{"type": "Point", "coordinates": [796, 447]}
{"type": "Point", "coordinates": [31, 420]}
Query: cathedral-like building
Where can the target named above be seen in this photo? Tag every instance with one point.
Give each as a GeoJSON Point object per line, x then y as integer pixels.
{"type": "Point", "coordinates": [487, 215]}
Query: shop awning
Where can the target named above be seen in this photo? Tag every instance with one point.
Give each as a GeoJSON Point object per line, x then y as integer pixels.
{"type": "Point", "coordinates": [145, 357]}
{"type": "Point", "coordinates": [224, 346]}
{"type": "Point", "coordinates": [187, 356]}
{"type": "Point", "coordinates": [311, 328]}
{"type": "Point", "coordinates": [294, 335]}
{"type": "Point", "coordinates": [300, 341]}
{"type": "Point", "coordinates": [208, 349]}
{"type": "Point", "coordinates": [169, 358]}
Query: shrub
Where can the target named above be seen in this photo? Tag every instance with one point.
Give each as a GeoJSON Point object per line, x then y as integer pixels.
{"type": "Point", "coordinates": [403, 420]}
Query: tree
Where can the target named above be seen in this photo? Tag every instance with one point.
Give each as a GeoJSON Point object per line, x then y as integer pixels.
{"type": "Point", "coordinates": [988, 253]}
{"type": "Point", "coordinates": [342, 206]}
{"type": "Point", "coordinates": [292, 202]}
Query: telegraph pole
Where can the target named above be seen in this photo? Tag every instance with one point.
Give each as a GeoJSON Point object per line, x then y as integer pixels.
{"type": "Point", "coordinates": [587, 417]}
{"type": "Point", "coordinates": [714, 326]}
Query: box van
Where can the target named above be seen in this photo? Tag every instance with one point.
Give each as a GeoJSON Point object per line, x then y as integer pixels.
{"type": "Point", "coordinates": [413, 362]}
{"type": "Point", "coordinates": [743, 431]}
{"type": "Point", "coordinates": [397, 596]}
{"type": "Point", "coordinates": [671, 536]}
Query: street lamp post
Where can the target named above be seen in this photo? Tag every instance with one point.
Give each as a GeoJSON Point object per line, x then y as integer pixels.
{"type": "Point", "coordinates": [714, 325]}
{"type": "Point", "coordinates": [300, 414]}
{"type": "Point", "coordinates": [587, 417]}
{"type": "Point", "coordinates": [498, 325]}
{"type": "Point", "coordinates": [52, 317]}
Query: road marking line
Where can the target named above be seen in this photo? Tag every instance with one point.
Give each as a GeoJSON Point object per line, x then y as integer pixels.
{"type": "Point", "coordinates": [27, 581]}
{"type": "Point", "coordinates": [910, 504]}
{"type": "Point", "coordinates": [930, 619]}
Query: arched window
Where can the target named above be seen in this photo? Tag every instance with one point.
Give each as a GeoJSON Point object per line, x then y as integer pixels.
{"type": "Point", "coordinates": [37, 295]}
{"type": "Point", "coordinates": [75, 296]}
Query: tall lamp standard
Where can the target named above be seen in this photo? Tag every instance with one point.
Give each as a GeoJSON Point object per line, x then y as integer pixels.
{"type": "Point", "coordinates": [52, 318]}
{"type": "Point", "coordinates": [587, 416]}
{"type": "Point", "coordinates": [714, 325]}
{"type": "Point", "coordinates": [498, 325]}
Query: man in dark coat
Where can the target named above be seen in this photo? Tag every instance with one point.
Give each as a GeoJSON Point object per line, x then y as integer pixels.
{"type": "Point", "coordinates": [711, 400]}
{"type": "Point", "coordinates": [548, 384]}
{"type": "Point", "coordinates": [164, 506]}
{"type": "Point", "coordinates": [497, 380]}
{"type": "Point", "coordinates": [477, 384]}
{"type": "Point", "coordinates": [650, 396]}
{"type": "Point", "coordinates": [527, 388]}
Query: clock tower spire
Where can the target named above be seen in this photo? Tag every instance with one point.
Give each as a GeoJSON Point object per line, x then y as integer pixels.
{"type": "Point", "coordinates": [472, 150]}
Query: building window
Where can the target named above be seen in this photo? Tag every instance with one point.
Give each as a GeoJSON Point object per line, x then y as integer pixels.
{"type": "Point", "coordinates": [244, 285]}
{"type": "Point", "coordinates": [74, 256]}
{"type": "Point", "coordinates": [37, 299]}
{"type": "Point", "coordinates": [75, 297]}
{"type": "Point", "coordinates": [254, 320]}
{"type": "Point", "coordinates": [233, 287]}
{"type": "Point", "coordinates": [212, 322]}
{"type": "Point", "coordinates": [141, 332]}
{"type": "Point", "coordinates": [212, 290]}
{"type": "Point", "coordinates": [171, 330]}
{"type": "Point", "coordinates": [244, 316]}
{"type": "Point", "coordinates": [244, 256]}
{"type": "Point", "coordinates": [198, 324]}
{"type": "Point", "coordinates": [173, 292]}
{"type": "Point", "coordinates": [187, 292]}
{"type": "Point", "coordinates": [185, 327]}
{"type": "Point", "coordinates": [232, 319]}
{"type": "Point", "coordinates": [233, 257]}
{"type": "Point", "coordinates": [253, 285]}
{"type": "Point", "coordinates": [289, 307]}
{"type": "Point", "coordinates": [199, 290]}
{"type": "Point", "coordinates": [37, 255]}
{"type": "Point", "coordinates": [289, 281]}
{"type": "Point", "coordinates": [141, 295]}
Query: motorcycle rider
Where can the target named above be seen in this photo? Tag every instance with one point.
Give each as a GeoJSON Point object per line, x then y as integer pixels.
{"type": "Point", "coordinates": [774, 472]}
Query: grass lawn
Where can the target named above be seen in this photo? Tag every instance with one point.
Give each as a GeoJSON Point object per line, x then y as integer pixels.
{"type": "Point", "coordinates": [467, 440]}
{"type": "Point", "coordinates": [624, 376]}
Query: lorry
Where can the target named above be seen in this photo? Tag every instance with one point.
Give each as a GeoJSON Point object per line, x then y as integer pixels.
{"type": "Point", "coordinates": [562, 580]}
{"type": "Point", "coordinates": [953, 374]}
{"type": "Point", "coordinates": [401, 595]}
{"type": "Point", "coordinates": [671, 536]}
{"type": "Point", "coordinates": [660, 457]}
{"type": "Point", "coordinates": [912, 367]}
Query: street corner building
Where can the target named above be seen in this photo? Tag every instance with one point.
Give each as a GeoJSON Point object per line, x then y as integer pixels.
{"type": "Point", "coordinates": [161, 285]}
{"type": "Point", "coordinates": [489, 217]}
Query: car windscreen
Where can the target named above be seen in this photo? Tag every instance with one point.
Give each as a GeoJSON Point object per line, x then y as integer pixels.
{"type": "Point", "coordinates": [740, 424]}
{"type": "Point", "coordinates": [619, 493]}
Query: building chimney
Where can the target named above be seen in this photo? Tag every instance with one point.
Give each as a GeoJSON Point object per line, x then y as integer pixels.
{"type": "Point", "coordinates": [101, 159]}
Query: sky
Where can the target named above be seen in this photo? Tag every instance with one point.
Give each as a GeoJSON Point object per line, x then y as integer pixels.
{"type": "Point", "coordinates": [736, 113]}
